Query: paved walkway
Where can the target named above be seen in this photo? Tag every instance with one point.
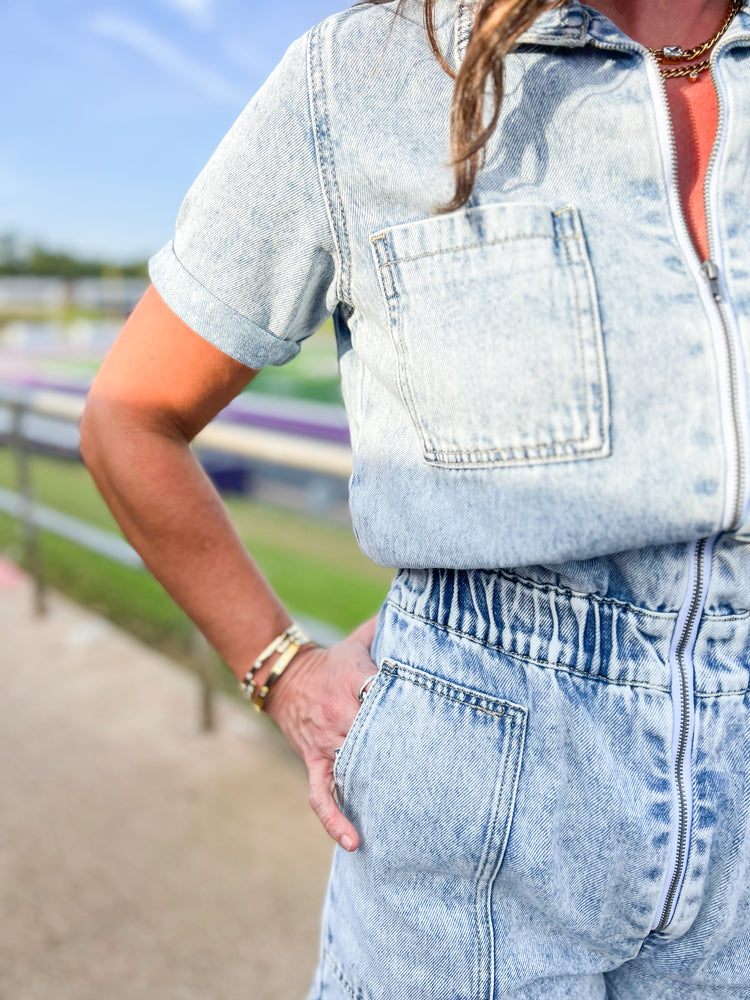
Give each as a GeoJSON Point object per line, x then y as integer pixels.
{"type": "Point", "coordinates": [140, 858]}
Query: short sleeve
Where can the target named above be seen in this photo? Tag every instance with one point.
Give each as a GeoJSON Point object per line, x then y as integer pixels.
{"type": "Point", "coordinates": [252, 267]}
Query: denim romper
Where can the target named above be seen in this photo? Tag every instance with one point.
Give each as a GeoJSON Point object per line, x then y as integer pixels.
{"type": "Point", "coordinates": [547, 394]}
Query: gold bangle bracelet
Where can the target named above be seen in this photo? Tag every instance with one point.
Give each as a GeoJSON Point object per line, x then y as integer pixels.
{"type": "Point", "coordinates": [292, 635]}
{"type": "Point", "coordinates": [277, 670]}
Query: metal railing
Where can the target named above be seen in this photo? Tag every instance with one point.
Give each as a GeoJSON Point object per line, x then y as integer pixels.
{"type": "Point", "coordinates": [328, 458]}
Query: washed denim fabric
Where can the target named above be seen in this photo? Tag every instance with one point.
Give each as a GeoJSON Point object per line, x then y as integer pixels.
{"type": "Point", "coordinates": [550, 773]}
{"type": "Point", "coordinates": [546, 374]}
{"type": "Point", "coordinates": [512, 777]}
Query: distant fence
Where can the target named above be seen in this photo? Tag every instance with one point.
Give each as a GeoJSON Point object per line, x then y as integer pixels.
{"type": "Point", "coordinates": [30, 293]}
{"type": "Point", "coordinates": [277, 447]}
{"type": "Point", "coordinates": [331, 458]}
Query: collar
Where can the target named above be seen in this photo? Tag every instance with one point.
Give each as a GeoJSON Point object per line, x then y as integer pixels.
{"type": "Point", "coordinates": [576, 24]}
{"type": "Point", "coordinates": [566, 26]}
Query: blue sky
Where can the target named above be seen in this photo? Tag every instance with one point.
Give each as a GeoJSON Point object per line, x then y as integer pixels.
{"type": "Point", "coordinates": [111, 108]}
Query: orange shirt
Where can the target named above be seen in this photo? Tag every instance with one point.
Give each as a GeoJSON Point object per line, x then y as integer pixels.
{"type": "Point", "coordinates": [695, 116]}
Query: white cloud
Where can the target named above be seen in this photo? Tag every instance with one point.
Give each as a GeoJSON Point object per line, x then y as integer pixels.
{"type": "Point", "coordinates": [168, 57]}
{"type": "Point", "coordinates": [198, 12]}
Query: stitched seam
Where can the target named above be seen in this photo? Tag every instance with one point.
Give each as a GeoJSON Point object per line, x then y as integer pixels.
{"type": "Point", "coordinates": [485, 917]}
{"type": "Point", "coordinates": [601, 360]}
{"type": "Point", "coordinates": [337, 972]}
{"type": "Point", "coordinates": [518, 454]}
{"type": "Point", "coordinates": [487, 894]}
{"type": "Point", "coordinates": [326, 167]}
{"type": "Point", "coordinates": [394, 305]}
{"type": "Point", "coordinates": [563, 667]}
{"type": "Point", "coordinates": [343, 759]}
{"type": "Point", "coordinates": [601, 364]}
{"type": "Point", "coordinates": [393, 308]}
{"type": "Point", "coordinates": [549, 588]}
{"type": "Point", "coordinates": [581, 346]}
{"type": "Point", "coordinates": [709, 695]}
{"type": "Point", "coordinates": [506, 835]}
{"type": "Point", "coordinates": [443, 689]}
{"type": "Point", "coordinates": [472, 246]}
{"type": "Point", "coordinates": [515, 747]}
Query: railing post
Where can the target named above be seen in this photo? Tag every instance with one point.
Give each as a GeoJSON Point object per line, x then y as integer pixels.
{"type": "Point", "coordinates": [32, 551]}
{"type": "Point", "coordinates": [205, 659]}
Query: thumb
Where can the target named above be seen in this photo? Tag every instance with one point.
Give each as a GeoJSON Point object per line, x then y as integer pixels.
{"type": "Point", "coordinates": [322, 802]}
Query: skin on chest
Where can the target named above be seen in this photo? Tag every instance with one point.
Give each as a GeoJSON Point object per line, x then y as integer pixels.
{"type": "Point", "coordinates": [694, 110]}
{"type": "Point", "coordinates": [693, 104]}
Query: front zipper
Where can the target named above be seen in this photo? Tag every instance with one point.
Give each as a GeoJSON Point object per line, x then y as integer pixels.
{"type": "Point", "coordinates": [683, 708]}
{"type": "Point", "coordinates": [721, 320]}
{"type": "Point", "coordinates": [708, 278]}
{"type": "Point", "coordinates": [734, 503]}
{"type": "Point", "coordinates": [734, 367]}
{"type": "Point", "coordinates": [730, 365]}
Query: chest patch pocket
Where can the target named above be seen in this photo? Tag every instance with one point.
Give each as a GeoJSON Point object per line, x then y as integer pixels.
{"type": "Point", "coordinates": [495, 322]}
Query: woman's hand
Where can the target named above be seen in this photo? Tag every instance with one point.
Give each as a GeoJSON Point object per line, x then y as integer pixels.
{"type": "Point", "coordinates": [314, 703]}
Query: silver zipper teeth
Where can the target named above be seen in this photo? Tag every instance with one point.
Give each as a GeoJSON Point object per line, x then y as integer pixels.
{"type": "Point", "coordinates": [735, 442]}
{"type": "Point", "coordinates": [686, 712]}
{"type": "Point", "coordinates": [712, 270]}
{"type": "Point", "coordinates": [733, 515]}
{"type": "Point", "coordinates": [736, 475]}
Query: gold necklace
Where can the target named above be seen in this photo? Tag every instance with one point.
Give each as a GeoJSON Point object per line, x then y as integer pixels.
{"type": "Point", "coordinates": [668, 55]}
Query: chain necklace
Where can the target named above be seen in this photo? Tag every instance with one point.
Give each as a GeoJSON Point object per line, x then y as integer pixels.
{"type": "Point", "coordinates": [668, 55]}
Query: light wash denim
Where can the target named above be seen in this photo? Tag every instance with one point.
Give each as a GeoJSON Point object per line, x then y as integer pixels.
{"type": "Point", "coordinates": [511, 776]}
{"type": "Point", "coordinates": [551, 772]}
{"type": "Point", "coordinates": [548, 368]}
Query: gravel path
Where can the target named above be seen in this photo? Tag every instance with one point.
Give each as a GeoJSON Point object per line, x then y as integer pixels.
{"type": "Point", "coordinates": [140, 858]}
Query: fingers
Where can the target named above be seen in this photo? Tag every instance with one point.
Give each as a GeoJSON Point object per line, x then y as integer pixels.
{"type": "Point", "coordinates": [315, 709]}
{"type": "Point", "coordinates": [323, 804]}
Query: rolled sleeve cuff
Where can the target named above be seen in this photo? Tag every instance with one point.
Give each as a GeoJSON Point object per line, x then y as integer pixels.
{"type": "Point", "coordinates": [212, 319]}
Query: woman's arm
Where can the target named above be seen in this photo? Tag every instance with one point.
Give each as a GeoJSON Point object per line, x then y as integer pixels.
{"type": "Point", "coordinates": [160, 384]}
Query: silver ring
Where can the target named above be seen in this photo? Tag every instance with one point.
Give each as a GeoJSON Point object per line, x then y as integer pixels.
{"type": "Point", "coordinates": [363, 690]}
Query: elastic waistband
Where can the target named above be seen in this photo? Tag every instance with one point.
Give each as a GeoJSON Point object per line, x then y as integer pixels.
{"type": "Point", "coordinates": [576, 632]}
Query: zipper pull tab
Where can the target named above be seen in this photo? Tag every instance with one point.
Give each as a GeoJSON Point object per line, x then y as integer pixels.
{"type": "Point", "coordinates": [712, 273]}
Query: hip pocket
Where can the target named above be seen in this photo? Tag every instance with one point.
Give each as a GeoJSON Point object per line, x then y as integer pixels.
{"type": "Point", "coordinates": [428, 774]}
{"type": "Point", "coordinates": [496, 326]}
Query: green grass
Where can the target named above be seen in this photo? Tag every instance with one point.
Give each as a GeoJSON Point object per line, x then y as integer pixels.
{"type": "Point", "coordinates": [316, 567]}
{"type": "Point", "coordinates": [130, 598]}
